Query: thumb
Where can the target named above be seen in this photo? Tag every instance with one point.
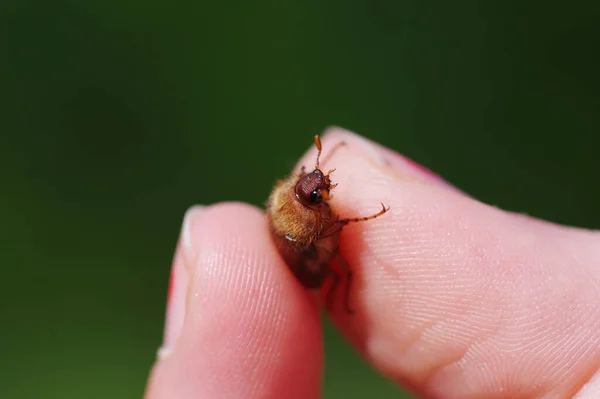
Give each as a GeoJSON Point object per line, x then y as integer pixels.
{"type": "Point", "coordinates": [457, 299]}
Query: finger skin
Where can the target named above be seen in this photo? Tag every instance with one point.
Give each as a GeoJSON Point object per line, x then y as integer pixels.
{"type": "Point", "coordinates": [250, 330]}
{"type": "Point", "coordinates": [458, 299]}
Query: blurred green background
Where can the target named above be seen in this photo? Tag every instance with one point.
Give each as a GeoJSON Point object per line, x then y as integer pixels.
{"type": "Point", "coordinates": [112, 113]}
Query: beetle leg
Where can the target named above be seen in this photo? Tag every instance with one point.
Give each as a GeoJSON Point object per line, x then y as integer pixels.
{"type": "Point", "coordinates": [336, 278]}
{"type": "Point", "coordinates": [335, 282]}
{"type": "Point", "coordinates": [348, 274]}
{"type": "Point", "coordinates": [330, 230]}
{"type": "Point", "coordinates": [336, 226]}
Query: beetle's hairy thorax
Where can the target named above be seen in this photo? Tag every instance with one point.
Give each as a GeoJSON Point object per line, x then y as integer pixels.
{"type": "Point", "coordinates": [296, 230]}
{"type": "Point", "coordinates": [289, 218]}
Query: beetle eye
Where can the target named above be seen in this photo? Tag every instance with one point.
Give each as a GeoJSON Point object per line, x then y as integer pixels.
{"type": "Point", "coordinates": [315, 198]}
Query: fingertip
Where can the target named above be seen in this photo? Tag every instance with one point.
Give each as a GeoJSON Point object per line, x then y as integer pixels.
{"type": "Point", "coordinates": [443, 283]}
{"type": "Point", "coordinates": [250, 330]}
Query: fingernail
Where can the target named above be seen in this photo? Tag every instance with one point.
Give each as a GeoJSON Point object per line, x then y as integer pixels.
{"type": "Point", "coordinates": [178, 285]}
{"type": "Point", "coordinates": [187, 235]}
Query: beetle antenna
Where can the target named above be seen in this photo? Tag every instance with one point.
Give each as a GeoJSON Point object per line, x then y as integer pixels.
{"type": "Point", "coordinates": [318, 144]}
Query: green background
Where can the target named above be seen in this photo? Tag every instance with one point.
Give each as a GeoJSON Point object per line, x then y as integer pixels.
{"type": "Point", "coordinates": [118, 115]}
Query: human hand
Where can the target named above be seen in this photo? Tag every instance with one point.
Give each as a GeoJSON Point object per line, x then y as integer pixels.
{"type": "Point", "coordinates": [453, 298]}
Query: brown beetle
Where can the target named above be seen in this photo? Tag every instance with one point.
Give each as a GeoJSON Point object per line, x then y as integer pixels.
{"type": "Point", "coordinates": [306, 229]}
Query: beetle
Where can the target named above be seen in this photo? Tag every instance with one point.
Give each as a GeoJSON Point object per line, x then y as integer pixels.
{"type": "Point", "coordinates": [306, 229]}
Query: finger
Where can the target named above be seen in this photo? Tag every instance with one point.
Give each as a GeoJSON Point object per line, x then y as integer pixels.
{"type": "Point", "coordinates": [455, 298]}
{"type": "Point", "coordinates": [238, 324]}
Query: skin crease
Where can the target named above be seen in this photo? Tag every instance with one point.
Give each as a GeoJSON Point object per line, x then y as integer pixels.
{"type": "Point", "coordinates": [453, 298]}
